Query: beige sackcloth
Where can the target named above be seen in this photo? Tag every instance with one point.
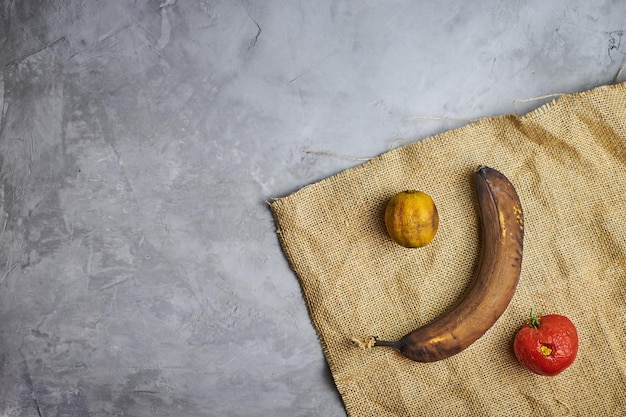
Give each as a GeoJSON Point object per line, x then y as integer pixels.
{"type": "Point", "coordinates": [567, 161]}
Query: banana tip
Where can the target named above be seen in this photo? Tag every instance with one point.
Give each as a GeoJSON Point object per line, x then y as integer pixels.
{"type": "Point", "coordinates": [482, 169]}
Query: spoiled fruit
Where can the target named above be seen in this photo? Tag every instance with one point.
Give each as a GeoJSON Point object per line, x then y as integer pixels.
{"type": "Point", "coordinates": [546, 345]}
{"type": "Point", "coordinates": [411, 218]}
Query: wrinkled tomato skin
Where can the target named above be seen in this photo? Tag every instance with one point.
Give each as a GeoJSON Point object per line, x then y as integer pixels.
{"type": "Point", "coordinates": [557, 333]}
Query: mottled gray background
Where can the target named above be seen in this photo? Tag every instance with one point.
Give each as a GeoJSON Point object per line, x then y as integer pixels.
{"type": "Point", "coordinates": [140, 273]}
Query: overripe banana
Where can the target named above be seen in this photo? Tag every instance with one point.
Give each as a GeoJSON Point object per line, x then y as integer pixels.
{"type": "Point", "coordinates": [502, 226]}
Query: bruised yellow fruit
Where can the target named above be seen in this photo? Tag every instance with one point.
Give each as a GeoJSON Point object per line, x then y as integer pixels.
{"type": "Point", "coordinates": [411, 218]}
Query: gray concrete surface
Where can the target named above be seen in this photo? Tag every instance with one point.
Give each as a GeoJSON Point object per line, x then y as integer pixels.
{"type": "Point", "coordinates": [140, 274]}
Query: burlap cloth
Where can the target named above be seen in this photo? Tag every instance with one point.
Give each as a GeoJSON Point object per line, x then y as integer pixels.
{"type": "Point", "coordinates": [567, 161]}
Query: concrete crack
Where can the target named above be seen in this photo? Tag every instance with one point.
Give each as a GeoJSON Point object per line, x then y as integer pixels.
{"type": "Point", "coordinates": [615, 42]}
{"type": "Point", "coordinates": [258, 27]}
{"type": "Point", "coordinates": [28, 55]}
{"type": "Point", "coordinates": [31, 387]}
{"type": "Point", "coordinates": [258, 33]}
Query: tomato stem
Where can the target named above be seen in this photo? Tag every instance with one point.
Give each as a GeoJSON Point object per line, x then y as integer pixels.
{"type": "Point", "coordinates": [534, 319]}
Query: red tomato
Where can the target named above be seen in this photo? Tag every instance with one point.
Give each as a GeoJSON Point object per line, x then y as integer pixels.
{"type": "Point", "coordinates": [546, 345]}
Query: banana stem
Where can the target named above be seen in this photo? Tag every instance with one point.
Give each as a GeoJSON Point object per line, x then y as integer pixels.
{"type": "Point", "coordinates": [369, 342]}
{"type": "Point", "coordinates": [396, 345]}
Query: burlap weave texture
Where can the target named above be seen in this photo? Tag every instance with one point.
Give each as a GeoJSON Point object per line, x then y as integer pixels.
{"type": "Point", "coordinates": [567, 161]}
